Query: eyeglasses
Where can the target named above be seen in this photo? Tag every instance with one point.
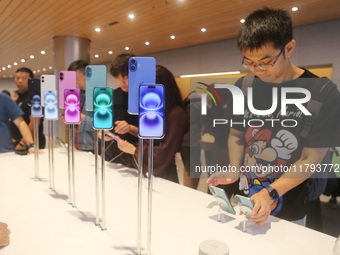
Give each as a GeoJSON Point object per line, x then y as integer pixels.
{"type": "Point", "coordinates": [263, 67]}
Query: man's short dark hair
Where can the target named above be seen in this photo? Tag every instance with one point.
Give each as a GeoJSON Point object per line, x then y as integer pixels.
{"type": "Point", "coordinates": [78, 65]}
{"type": "Point", "coordinates": [264, 26]}
{"type": "Point", "coordinates": [25, 70]}
{"type": "Point", "coordinates": [119, 65]}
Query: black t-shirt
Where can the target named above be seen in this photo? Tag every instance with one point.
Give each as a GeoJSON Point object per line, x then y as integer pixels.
{"type": "Point", "coordinates": [273, 142]}
{"type": "Point", "coordinates": [24, 103]}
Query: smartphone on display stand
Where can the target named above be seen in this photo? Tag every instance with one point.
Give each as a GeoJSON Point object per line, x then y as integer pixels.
{"type": "Point", "coordinates": [102, 108]}
{"type": "Point", "coordinates": [48, 82]}
{"type": "Point", "coordinates": [72, 106]}
{"type": "Point", "coordinates": [34, 94]}
{"type": "Point", "coordinates": [151, 111]}
{"type": "Point", "coordinates": [142, 70]}
{"type": "Point", "coordinates": [246, 205]}
{"type": "Point", "coordinates": [222, 199]}
{"type": "Point", "coordinates": [67, 80]}
{"type": "Point", "coordinates": [51, 105]}
{"type": "Point", "coordinates": [95, 77]}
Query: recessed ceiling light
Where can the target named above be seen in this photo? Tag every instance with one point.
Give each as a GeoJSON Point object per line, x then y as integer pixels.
{"type": "Point", "coordinates": [203, 29]}
{"type": "Point", "coordinates": [131, 16]}
{"type": "Point", "coordinates": [15, 63]}
{"type": "Point", "coordinates": [110, 52]}
{"type": "Point", "coordinates": [32, 57]}
{"type": "Point", "coordinates": [127, 48]}
{"type": "Point", "coordinates": [9, 66]}
{"type": "Point", "coordinates": [172, 37]}
{"type": "Point", "coordinates": [44, 69]}
{"type": "Point", "coordinates": [23, 60]}
{"type": "Point", "coordinates": [294, 9]}
{"type": "Point", "coordinates": [4, 68]}
{"type": "Point", "coordinates": [38, 70]}
{"type": "Point", "coordinates": [96, 56]}
{"type": "Point", "coordinates": [34, 71]}
{"type": "Point", "coordinates": [43, 52]}
{"type": "Point", "coordinates": [97, 29]}
{"type": "Point", "coordinates": [50, 67]}
{"type": "Point", "coordinates": [147, 43]}
{"type": "Point", "coordinates": [242, 20]}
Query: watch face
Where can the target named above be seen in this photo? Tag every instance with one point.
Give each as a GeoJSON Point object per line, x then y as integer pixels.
{"type": "Point", "coordinates": [273, 193]}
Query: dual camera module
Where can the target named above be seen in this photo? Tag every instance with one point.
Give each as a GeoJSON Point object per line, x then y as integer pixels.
{"type": "Point", "coordinates": [133, 65]}
{"type": "Point", "coordinates": [88, 71]}
{"type": "Point", "coordinates": [61, 77]}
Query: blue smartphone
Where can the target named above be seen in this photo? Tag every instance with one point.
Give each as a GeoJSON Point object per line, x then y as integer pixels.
{"type": "Point", "coordinates": [102, 108]}
{"type": "Point", "coordinates": [222, 199]}
{"type": "Point", "coordinates": [142, 70]}
{"type": "Point", "coordinates": [151, 111]}
{"type": "Point", "coordinates": [95, 77]}
{"type": "Point", "coordinates": [246, 205]}
{"type": "Point", "coordinates": [51, 104]}
{"type": "Point", "coordinates": [72, 106]}
{"type": "Point", "coordinates": [34, 94]}
{"type": "Point", "coordinates": [48, 82]}
{"type": "Point", "coordinates": [67, 80]}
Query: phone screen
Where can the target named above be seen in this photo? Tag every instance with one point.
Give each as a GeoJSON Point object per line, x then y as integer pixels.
{"type": "Point", "coordinates": [151, 111]}
{"type": "Point", "coordinates": [34, 93]}
{"type": "Point", "coordinates": [95, 77]}
{"type": "Point", "coordinates": [51, 105]}
{"type": "Point", "coordinates": [72, 106]}
{"type": "Point", "coordinates": [102, 108]}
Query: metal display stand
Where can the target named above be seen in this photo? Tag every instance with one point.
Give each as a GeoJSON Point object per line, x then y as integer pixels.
{"type": "Point", "coordinates": [140, 188]}
{"type": "Point", "coordinates": [70, 153]}
{"type": "Point", "coordinates": [100, 181]}
{"type": "Point", "coordinates": [36, 146]}
{"type": "Point", "coordinates": [51, 154]}
{"type": "Point", "coordinates": [150, 187]}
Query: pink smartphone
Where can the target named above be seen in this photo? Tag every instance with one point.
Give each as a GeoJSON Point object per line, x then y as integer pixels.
{"type": "Point", "coordinates": [67, 80]}
{"type": "Point", "coordinates": [113, 136]}
{"type": "Point", "coordinates": [72, 106]}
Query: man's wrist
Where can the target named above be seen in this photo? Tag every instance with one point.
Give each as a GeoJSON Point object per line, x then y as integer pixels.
{"type": "Point", "coordinates": [273, 194]}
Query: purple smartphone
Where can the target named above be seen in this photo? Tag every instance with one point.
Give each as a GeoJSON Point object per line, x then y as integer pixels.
{"type": "Point", "coordinates": [72, 106]}
{"type": "Point", "coordinates": [67, 80]}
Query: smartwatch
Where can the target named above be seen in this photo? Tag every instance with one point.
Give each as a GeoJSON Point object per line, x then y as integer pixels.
{"type": "Point", "coordinates": [30, 146]}
{"type": "Point", "coordinates": [272, 193]}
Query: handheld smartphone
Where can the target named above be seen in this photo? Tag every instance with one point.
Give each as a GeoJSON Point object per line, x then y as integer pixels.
{"type": "Point", "coordinates": [51, 105]}
{"type": "Point", "coordinates": [222, 199]}
{"type": "Point", "coordinates": [113, 136]}
{"type": "Point", "coordinates": [95, 77]}
{"type": "Point", "coordinates": [47, 82]}
{"type": "Point", "coordinates": [102, 108]}
{"type": "Point", "coordinates": [246, 205]}
{"type": "Point", "coordinates": [67, 80]}
{"type": "Point", "coordinates": [21, 152]}
{"type": "Point", "coordinates": [72, 106]}
{"type": "Point", "coordinates": [151, 111]}
{"type": "Point", "coordinates": [142, 70]}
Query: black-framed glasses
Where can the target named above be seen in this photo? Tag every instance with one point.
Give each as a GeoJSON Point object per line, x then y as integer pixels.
{"type": "Point", "coordinates": [263, 67]}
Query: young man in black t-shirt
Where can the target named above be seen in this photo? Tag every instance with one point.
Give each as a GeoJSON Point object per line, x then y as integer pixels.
{"type": "Point", "coordinates": [265, 143]}
{"type": "Point", "coordinates": [21, 78]}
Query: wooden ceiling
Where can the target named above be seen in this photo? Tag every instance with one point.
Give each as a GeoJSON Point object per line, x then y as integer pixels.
{"type": "Point", "coordinates": [28, 26]}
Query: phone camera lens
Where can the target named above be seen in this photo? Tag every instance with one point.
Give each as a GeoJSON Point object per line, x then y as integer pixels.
{"type": "Point", "coordinates": [88, 72]}
{"type": "Point", "coordinates": [133, 61]}
{"type": "Point", "coordinates": [133, 68]}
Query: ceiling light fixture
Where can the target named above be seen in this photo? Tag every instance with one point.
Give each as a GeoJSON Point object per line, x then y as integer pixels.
{"type": "Point", "coordinates": [4, 68]}
{"type": "Point", "coordinates": [43, 52]}
{"type": "Point", "coordinates": [23, 60]}
{"type": "Point", "coordinates": [32, 57]}
{"type": "Point", "coordinates": [147, 43]}
{"type": "Point", "coordinates": [131, 16]}
{"type": "Point", "coordinates": [209, 74]}
{"type": "Point", "coordinates": [110, 52]}
{"type": "Point", "coordinates": [97, 29]}
{"type": "Point", "coordinates": [9, 66]}
{"type": "Point", "coordinates": [294, 9]}
{"type": "Point", "coordinates": [96, 56]}
{"type": "Point", "coordinates": [242, 20]}
{"type": "Point", "coordinates": [127, 48]}
{"type": "Point", "coordinates": [172, 37]}
{"type": "Point", "coordinates": [15, 63]}
{"type": "Point", "coordinates": [50, 67]}
{"type": "Point", "coordinates": [203, 29]}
